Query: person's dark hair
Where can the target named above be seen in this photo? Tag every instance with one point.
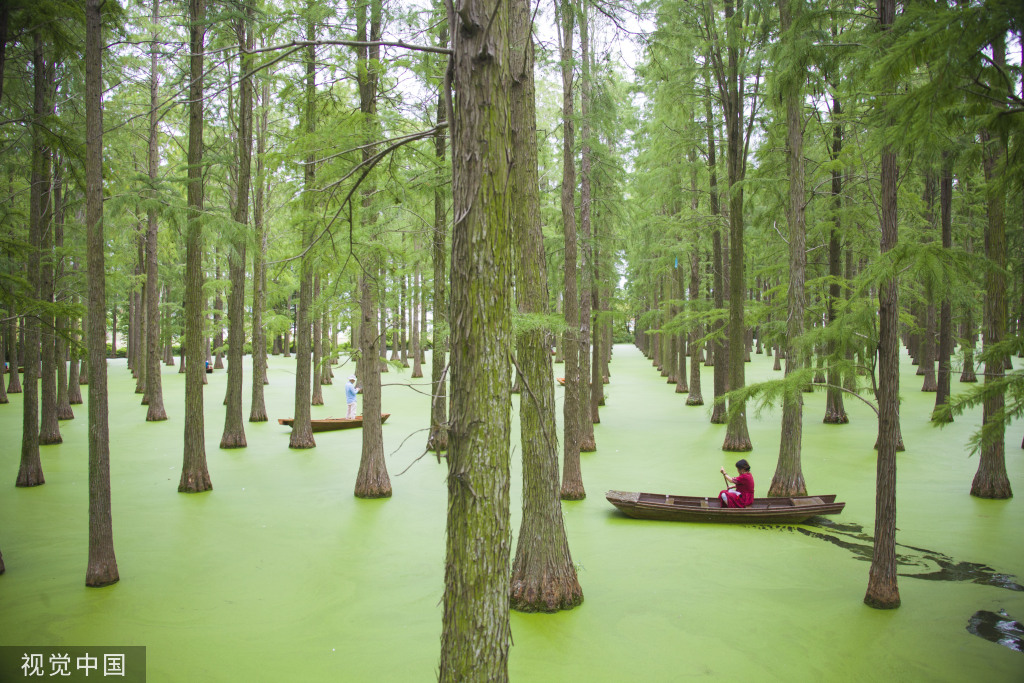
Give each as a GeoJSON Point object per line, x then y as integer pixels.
{"type": "Point", "coordinates": [742, 464]}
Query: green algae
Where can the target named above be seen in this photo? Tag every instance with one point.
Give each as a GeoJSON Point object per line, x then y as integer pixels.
{"type": "Point", "coordinates": [279, 573]}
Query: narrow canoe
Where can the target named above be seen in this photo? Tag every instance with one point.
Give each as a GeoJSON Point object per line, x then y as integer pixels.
{"type": "Point", "coordinates": [709, 509]}
{"type": "Point", "coordinates": [560, 380]}
{"type": "Point", "coordinates": [329, 424]}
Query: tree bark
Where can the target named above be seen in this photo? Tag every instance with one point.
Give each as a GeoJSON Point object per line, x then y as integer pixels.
{"type": "Point", "coordinates": [716, 351]}
{"type": "Point", "coordinates": [234, 426]}
{"type": "Point", "coordinates": [543, 574]}
{"type": "Point", "coordinates": [883, 591]}
{"type": "Point", "coordinates": [372, 480]}
{"type": "Point", "coordinates": [102, 567]}
{"type": "Point", "coordinates": [586, 424]}
{"type": "Point", "coordinates": [475, 636]}
{"type": "Point", "coordinates": [154, 387]}
{"type": "Point", "coordinates": [736, 434]}
{"type": "Point", "coordinates": [258, 407]}
{"type": "Point", "coordinates": [789, 479]}
{"type": "Point", "coordinates": [942, 391]}
{"type": "Point", "coordinates": [302, 430]}
{"type": "Point", "coordinates": [835, 410]}
{"type": "Point", "coordinates": [438, 438]}
{"type": "Point", "coordinates": [195, 477]}
{"type": "Point", "coordinates": [30, 471]}
{"type": "Point", "coordinates": [991, 480]}
{"type": "Point", "coordinates": [572, 478]}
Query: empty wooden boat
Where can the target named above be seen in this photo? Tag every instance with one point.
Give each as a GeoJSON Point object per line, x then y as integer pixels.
{"type": "Point", "coordinates": [792, 510]}
{"type": "Point", "coordinates": [329, 424]}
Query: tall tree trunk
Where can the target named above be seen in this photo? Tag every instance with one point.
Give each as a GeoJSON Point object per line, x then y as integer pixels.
{"type": "Point", "coordinates": [695, 397]}
{"type": "Point", "coordinates": [195, 477]}
{"type": "Point", "coordinates": [991, 481]}
{"type": "Point", "coordinates": [736, 435]}
{"type": "Point", "coordinates": [30, 471]}
{"type": "Point", "coordinates": [927, 367]}
{"type": "Point", "coordinates": [946, 308]}
{"type": "Point", "coordinates": [102, 567]}
{"type": "Point", "coordinates": [372, 481]}
{"type": "Point", "coordinates": [74, 371]}
{"type": "Point", "coordinates": [572, 478]}
{"type": "Point", "coordinates": [14, 385]}
{"type": "Point", "coordinates": [64, 411]}
{"type": "Point", "coordinates": [258, 407]}
{"type": "Point", "coordinates": [475, 635]}
{"type": "Point", "coordinates": [417, 298]}
{"type": "Point", "coordinates": [302, 430]}
{"type": "Point", "coordinates": [438, 437]}
{"type": "Point", "coordinates": [586, 424]}
{"type": "Point", "coordinates": [154, 388]}
{"type": "Point", "coordinates": [835, 410]}
{"type": "Point", "coordinates": [789, 478]}
{"type": "Point", "coordinates": [49, 427]}
{"type": "Point", "coordinates": [543, 574]}
{"type": "Point", "coordinates": [234, 426]}
{"type": "Point", "coordinates": [883, 591]}
{"type": "Point", "coordinates": [716, 351]}
{"type": "Point", "coordinates": [317, 397]}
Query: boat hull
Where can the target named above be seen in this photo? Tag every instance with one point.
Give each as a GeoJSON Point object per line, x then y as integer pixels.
{"type": "Point", "coordinates": [656, 506]}
{"type": "Point", "coordinates": [331, 424]}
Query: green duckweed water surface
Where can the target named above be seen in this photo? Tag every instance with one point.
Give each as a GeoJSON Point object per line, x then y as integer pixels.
{"type": "Point", "coordinates": [280, 574]}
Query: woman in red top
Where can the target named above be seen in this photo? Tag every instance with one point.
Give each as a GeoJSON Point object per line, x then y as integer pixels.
{"type": "Point", "coordinates": [740, 493]}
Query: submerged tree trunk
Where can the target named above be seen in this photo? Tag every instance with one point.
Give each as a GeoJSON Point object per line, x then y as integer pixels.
{"type": "Point", "coordinates": [154, 397]}
{"type": "Point", "coordinates": [991, 480]}
{"type": "Point", "coordinates": [946, 309]}
{"type": "Point", "coordinates": [835, 410]}
{"type": "Point", "coordinates": [372, 480]}
{"type": "Point", "coordinates": [716, 350]}
{"type": "Point", "coordinates": [30, 471]}
{"type": "Point", "coordinates": [475, 636]}
{"type": "Point", "coordinates": [234, 427]}
{"type": "Point", "coordinates": [302, 430]}
{"type": "Point", "coordinates": [572, 478]}
{"type": "Point", "coordinates": [195, 477]}
{"type": "Point", "coordinates": [789, 479]}
{"type": "Point", "coordinates": [102, 567]}
{"type": "Point", "coordinates": [883, 591]}
{"type": "Point", "coordinates": [543, 574]}
{"type": "Point", "coordinates": [438, 436]}
{"type": "Point", "coordinates": [258, 407]}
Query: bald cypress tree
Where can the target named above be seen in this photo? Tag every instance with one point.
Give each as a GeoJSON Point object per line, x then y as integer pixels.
{"type": "Point", "coordinates": [475, 634]}
{"type": "Point", "coordinates": [102, 567]}
{"type": "Point", "coordinates": [543, 575]}
{"type": "Point", "coordinates": [195, 477]}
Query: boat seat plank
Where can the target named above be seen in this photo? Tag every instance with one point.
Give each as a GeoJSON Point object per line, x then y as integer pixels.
{"type": "Point", "coordinates": [804, 502]}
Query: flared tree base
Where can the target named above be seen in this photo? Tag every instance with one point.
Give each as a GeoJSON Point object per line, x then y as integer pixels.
{"type": "Point", "coordinates": [545, 593]}
{"type": "Point", "coordinates": [788, 487]}
{"type": "Point", "coordinates": [156, 413]}
{"type": "Point", "coordinates": [232, 441]}
{"type": "Point", "coordinates": [941, 414]}
{"type": "Point", "coordinates": [588, 445]}
{"type": "Point", "coordinates": [258, 416]}
{"type": "Point", "coordinates": [50, 439]}
{"type": "Point", "coordinates": [372, 491]}
{"type": "Point", "coordinates": [994, 488]}
{"type": "Point", "coordinates": [29, 476]}
{"type": "Point", "coordinates": [882, 596]}
{"type": "Point", "coordinates": [101, 576]}
{"type": "Point", "coordinates": [573, 492]}
{"type": "Point", "coordinates": [301, 441]}
{"type": "Point", "coordinates": [836, 418]}
{"type": "Point", "coordinates": [64, 413]}
{"type": "Point", "coordinates": [194, 481]}
{"type": "Point", "coordinates": [694, 399]}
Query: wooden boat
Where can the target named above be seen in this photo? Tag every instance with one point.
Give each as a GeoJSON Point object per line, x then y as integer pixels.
{"type": "Point", "coordinates": [560, 380]}
{"type": "Point", "coordinates": [329, 424]}
{"type": "Point", "coordinates": [709, 509]}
